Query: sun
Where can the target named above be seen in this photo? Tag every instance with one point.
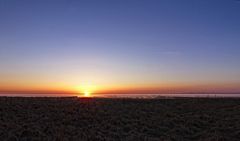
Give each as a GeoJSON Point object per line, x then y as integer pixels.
{"type": "Point", "coordinates": [87, 94]}
{"type": "Point", "coordinates": [86, 90]}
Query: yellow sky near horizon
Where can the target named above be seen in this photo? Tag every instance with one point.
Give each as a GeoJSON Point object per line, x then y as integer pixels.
{"type": "Point", "coordinates": [60, 87]}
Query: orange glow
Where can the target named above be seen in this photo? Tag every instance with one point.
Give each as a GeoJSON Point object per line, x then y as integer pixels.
{"type": "Point", "coordinates": [86, 90]}
{"type": "Point", "coordinates": [89, 90]}
{"type": "Point", "coordinates": [87, 94]}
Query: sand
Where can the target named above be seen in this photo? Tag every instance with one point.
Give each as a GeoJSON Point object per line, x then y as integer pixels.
{"type": "Point", "coordinates": [99, 119]}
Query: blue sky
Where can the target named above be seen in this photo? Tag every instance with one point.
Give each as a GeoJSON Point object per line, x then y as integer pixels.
{"type": "Point", "coordinates": [119, 42]}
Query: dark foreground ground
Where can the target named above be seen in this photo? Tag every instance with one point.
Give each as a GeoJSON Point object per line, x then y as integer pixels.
{"type": "Point", "coordinates": [60, 119]}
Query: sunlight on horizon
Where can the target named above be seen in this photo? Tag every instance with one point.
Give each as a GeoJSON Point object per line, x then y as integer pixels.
{"type": "Point", "coordinates": [86, 90]}
{"type": "Point", "coordinates": [87, 94]}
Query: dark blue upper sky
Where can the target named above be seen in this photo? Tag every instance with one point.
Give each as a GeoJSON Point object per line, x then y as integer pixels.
{"type": "Point", "coordinates": [120, 41]}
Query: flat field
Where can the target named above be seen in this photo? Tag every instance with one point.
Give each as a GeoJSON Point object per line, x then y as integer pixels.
{"type": "Point", "coordinates": [99, 119]}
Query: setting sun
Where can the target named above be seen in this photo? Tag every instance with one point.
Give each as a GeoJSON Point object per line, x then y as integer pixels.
{"type": "Point", "coordinates": [87, 94]}
{"type": "Point", "coordinates": [86, 90]}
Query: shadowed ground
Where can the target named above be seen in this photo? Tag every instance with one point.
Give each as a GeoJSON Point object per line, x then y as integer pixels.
{"type": "Point", "coordinates": [39, 119]}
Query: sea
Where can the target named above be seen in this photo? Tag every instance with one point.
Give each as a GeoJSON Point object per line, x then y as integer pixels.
{"type": "Point", "coordinates": [144, 96]}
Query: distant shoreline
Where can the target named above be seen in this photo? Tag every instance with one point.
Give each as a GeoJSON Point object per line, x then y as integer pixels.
{"type": "Point", "coordinates": [141, 96]}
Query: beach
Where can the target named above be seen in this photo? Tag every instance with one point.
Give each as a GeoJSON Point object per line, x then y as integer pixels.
{"type": "Point", "coordinates": [87, 119]}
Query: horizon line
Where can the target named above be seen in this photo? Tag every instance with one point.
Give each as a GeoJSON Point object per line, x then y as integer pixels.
{"type": "Point", "coordinates": [109, 93]}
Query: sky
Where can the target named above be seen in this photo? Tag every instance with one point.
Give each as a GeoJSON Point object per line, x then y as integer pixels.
{"type": "Point", "coordinates": [120, 46]}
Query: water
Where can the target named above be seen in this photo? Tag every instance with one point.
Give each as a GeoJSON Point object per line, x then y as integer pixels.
{"type": "Point", "coordinates": [127, 95]}
{"type": "Point", "coordinates": [170, 95]}
{"type": "Point", "coordinates": [38, 95]}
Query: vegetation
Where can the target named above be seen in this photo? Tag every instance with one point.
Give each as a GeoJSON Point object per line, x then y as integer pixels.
{"type": "Point", "coordinates": [62, 119]}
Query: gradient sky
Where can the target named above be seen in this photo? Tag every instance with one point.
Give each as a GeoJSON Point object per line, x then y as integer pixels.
{"type": "Point", "coordinates": [120, 45]}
